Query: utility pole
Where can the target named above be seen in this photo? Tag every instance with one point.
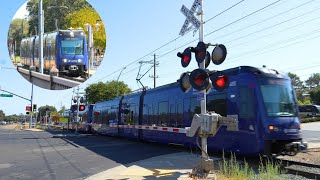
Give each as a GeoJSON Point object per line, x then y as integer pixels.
{"type": "Point", "coordinates": [31, 114]}
{"type": "Point", "coordinates": [154, 71]}
{"type": "Point", "coordinates": [155, 63]}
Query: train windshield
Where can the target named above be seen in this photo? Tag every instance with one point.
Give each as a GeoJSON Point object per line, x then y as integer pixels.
{"type": "Point", "coordinates": [278, 97]}
{"type": "Point", "coordinates": [72, 47]}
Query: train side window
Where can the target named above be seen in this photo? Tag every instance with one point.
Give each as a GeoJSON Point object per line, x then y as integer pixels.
{"type": "Point", "coordinates": [163, 113]}
{"type": "Point", "coordinates": [179, 115]}
{"type": "Point", "coordinates": [172, 113]}
{"type": "Point", "coordinates": [150, 117]}
{"type": "Point", "coordinates": [155, 114]}
{"type": "Point", "coordinates": [246, 102]}
{"type": "Point", "coordinates": [217, 103]}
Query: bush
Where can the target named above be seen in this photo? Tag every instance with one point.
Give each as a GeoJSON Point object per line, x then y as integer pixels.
{"type": "Point", "coordinates": [310, 119]}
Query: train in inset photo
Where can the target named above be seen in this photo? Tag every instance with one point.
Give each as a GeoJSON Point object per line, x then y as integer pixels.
{"type": "Point", "coordinates": [64, 50]}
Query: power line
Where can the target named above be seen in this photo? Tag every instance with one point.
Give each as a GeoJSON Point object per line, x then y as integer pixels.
{"type": "Point", "coordinates": [264, 20]}
{"type": "Point", "coordinates": [263, 29]}
{"type": "Point", "coordinates": [261, 9]}
{"type": "Point", "coordinates": [224, 11]}
{"type": "Point", "coordinates": [244, 17]}
{"type": "Point", "coordinates": [152, 52]}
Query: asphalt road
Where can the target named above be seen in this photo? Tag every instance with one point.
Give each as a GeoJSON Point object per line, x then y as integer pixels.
{"type": "Point", "coordinates": [311, 132]}
{"type": "Point", "coordinates": [38, 155]}
{"type": "Point", "coordinates": [45, 155]}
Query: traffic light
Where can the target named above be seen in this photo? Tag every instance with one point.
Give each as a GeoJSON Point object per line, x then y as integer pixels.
{"type": "Point", "coordinates": [28, 108]}
{"type": "Point", "coordinates": [185, 57]}
{"type": "Point", "coordinates": [199, 79]}
{"type": "Point", "coordinates": [34, 108]}
{"type": "Point", "coordinates": [75, 100]}
{"type": "Point", "coordinates": [27, 113]}
{"type": "Point", "coordinates": [184, 82]}
{"type": "Point", "coordinates": [200, 51]}
{"type": "Point", "coordinates": [220, 80]}
{"type": "Point", "coordinates": [82, 107]}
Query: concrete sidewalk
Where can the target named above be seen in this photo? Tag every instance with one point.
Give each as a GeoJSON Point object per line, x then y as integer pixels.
{"type": "Point", "coordinates": [172, 166]}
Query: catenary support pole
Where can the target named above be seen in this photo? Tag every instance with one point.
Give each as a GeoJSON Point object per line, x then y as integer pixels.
{"type": "Point", "coordinates": [41, 29]}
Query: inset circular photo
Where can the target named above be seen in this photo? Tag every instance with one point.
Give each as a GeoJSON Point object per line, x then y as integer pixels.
{"type": "Point", "coordinates": [64, 50]}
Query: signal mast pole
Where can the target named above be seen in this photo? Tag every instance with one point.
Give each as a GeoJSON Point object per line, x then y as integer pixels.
{"type": "Point", "coordinates": [202, 66]}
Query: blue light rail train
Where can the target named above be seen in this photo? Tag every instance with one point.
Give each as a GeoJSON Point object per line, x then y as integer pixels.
{"type": "Point", "coordinates": [262, 100]}
{"type": "Point", "coordinates": [64, 50]}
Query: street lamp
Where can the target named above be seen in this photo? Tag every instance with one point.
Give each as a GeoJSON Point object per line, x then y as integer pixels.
{"type": "Point", "coordinates": [118, 81]}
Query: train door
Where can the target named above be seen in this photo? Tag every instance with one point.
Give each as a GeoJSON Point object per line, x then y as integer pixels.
{"type": "Point", "coordinates": [247, 138]}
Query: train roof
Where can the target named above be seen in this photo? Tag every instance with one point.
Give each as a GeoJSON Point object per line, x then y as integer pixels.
{"type": "Point", "coordinates": [259, 72]}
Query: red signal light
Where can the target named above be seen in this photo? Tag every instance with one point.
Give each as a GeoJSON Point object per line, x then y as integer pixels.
{"type": "Point", "coordinates": [28, 108]}
{"type": "Point", "coordinates": [221, 80]}
{"type": "Point", "coordinates": [199, 79]}
{"type": "Point", "coordinates": [185, 57]}
{"type": "Point", "coordinates": [82, 107]}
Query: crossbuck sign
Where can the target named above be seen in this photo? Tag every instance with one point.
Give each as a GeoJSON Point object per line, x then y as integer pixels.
{"type": "Point", "coordinates": [190, 18]}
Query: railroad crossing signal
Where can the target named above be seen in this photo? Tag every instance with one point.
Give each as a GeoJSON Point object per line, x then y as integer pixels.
{"type": "Point", "coordinates": [185, 57]}
{"type": "Point", "coordinates": [201, 79]}
{"type": "Point", "coordinates": [190, 18]}
{"type": "Point", "coordinates": [184, 82]}
{"type": "Point", "coordinates": [220, 80]}
{"type": "Point", "coordinates": [200, 52]}
{"type": "Point", "coordinates": [82, 107]}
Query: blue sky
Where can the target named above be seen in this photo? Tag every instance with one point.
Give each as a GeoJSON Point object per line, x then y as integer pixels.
{"type": "Point", "coordinates": [284, 36]}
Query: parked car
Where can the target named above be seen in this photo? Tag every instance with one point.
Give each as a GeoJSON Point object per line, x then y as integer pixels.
{"type": "Point", "coordinates": [310, 110]}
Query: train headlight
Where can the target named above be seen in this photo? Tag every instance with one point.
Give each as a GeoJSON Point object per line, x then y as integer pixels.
{"type": "Point", "coordinates": [79, 60]}
{"type": "Point", "coordinates": [273, 128]}
{"type": "Point", "coordinates": [64, 60]}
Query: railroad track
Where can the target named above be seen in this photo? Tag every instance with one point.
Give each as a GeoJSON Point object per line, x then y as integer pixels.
{"type": "Point", "coordinates": [308, 170]}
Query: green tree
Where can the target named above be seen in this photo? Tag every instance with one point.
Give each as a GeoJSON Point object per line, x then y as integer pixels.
{"type": "Point", "coordinates": [17, 30]}
{"type": "Point", "coordinates": [14, 118]}
{"type": "Point", "coordinates": [2, 115]}
{"type": "Point", "coordinates": [53, 10]}
{"type": "Point", "coordinates": [313, 80]}
{"type": "Point", "coordinates": [43, 109]}
{"type": "Point", "coordinates": [315, 95]}
{"type": "Point", "coordinates": [90, 16]}
{"type": "Point", "coordinates": [295, 80]}
{"type": "Point", "coordinates": [105, 91]}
